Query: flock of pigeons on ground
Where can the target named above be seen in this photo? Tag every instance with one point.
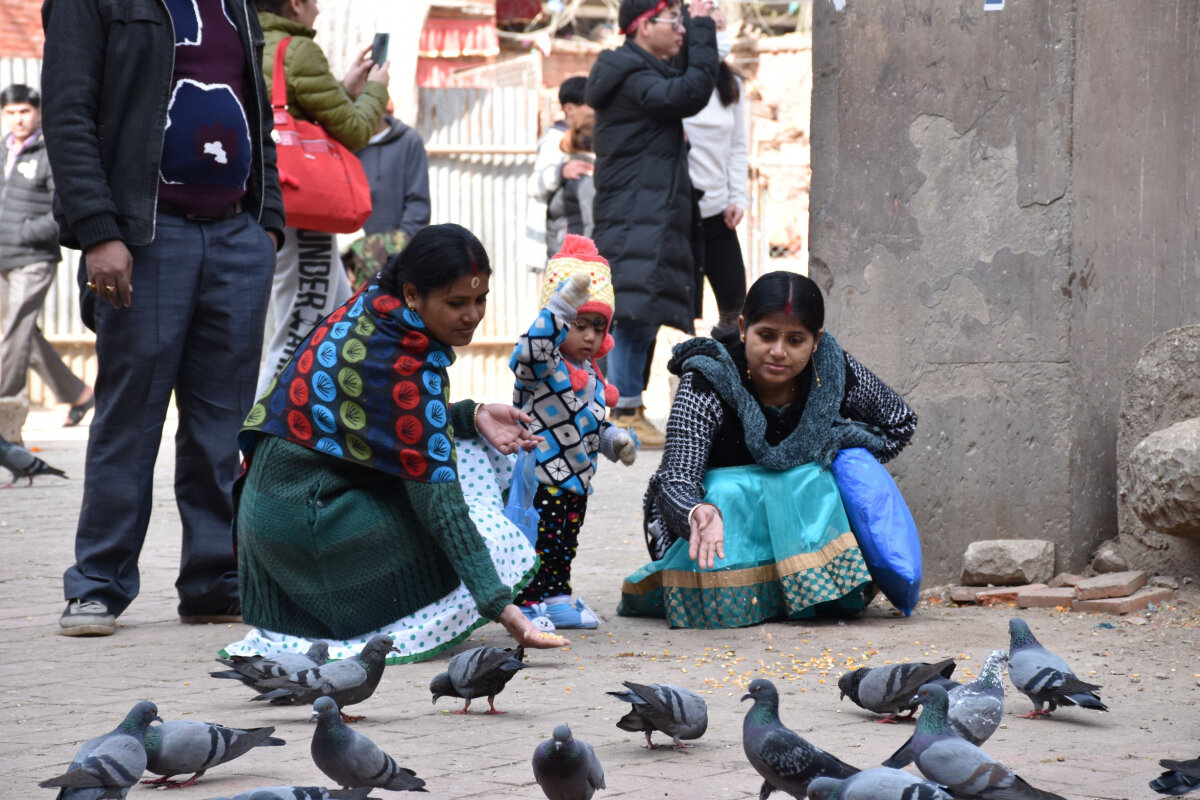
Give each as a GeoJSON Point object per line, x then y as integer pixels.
{"type": "Point", "coordinates": [955, 720]}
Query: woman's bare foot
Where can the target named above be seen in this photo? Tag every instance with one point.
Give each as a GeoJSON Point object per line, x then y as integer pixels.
{"type": "Point", "coordinates": [526, 633]}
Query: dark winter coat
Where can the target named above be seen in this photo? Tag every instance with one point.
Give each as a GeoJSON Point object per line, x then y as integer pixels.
{"type": "Point", "coordinates": [398, 171]}
{"type": "Point", "coordinates": [28, 232]}
{"type": "Point", "coordinates": [644, 203]}
{"type": "Point", "coordinates": [106, 81]}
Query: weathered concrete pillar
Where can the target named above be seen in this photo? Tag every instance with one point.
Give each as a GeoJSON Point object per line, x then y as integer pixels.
{"type": "Point", "coordinates": [1000, 213]}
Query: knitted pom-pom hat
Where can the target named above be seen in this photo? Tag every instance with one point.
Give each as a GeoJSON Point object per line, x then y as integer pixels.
{"type": "Point", "coordinates": [579, 254]}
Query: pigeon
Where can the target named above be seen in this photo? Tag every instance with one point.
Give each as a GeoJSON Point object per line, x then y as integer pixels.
{"type": "Point", "coordinates": [303, 793]}
{"type": "Point", "coordinates": [878, 783]}
{"type": "Point", "coordinates": [478, 672]}
{"type": "Point", "coordinates": [351, 759]}
{"type": "Point", "coordinates": [785, 760]}
{"type": "Point", "coordinates": [1181, 777]}
{"type": "Point", "coordinates": [965, 770]}
{"type": "Point", "coordinates": [107, 766]}
{"type": "Point", "coordinates": [679, 713]}
{"type": "Point", "coordinates": [179, 747]}
{"type": "Point", "coordinates": [23, 464]}
{"type": "Point", "coordinates": [253, 670]}
{"type": "Point", "coordinates": [1043, 676]}
{"type": "Point", "coordinates": [887, 690]}
{"type": "Point", "coordinates": [349, 681]}
{"type": "Point", "coordinates": [566, 768]}
{"type": "Point", "coordinates": [975, 708]}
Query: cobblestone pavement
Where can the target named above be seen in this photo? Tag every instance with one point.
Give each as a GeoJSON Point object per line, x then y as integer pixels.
{"type": "Point", "coordinates": [60, 690]}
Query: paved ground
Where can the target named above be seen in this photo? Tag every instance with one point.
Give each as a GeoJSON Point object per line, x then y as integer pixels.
{"type": "Point", "coordinates": [60, 691]}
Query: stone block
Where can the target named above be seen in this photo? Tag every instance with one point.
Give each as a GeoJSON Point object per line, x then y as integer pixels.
{"type": "Point", "coordinates": [1113, 584]}
{"type": "Point", "coordinates": [13, 411]}
{"type": "Point", "coordinates": [1109, 558]}
{"type": "Point", "coordinates": [965, 594]}
{"type": "Point", "coordinates": [1123, 605]}
{"type": "Point", "coordinates": [1050, 597]}
{"type": "Point", "coordinates": [1065, 579]}
{"type": "Point", "coordinates": [1008, 562]}
{"type": "Point", "coordinates": [1166, 581]}
{"type": "Point", "coordinates": [1164, 485]}
{"type": "Point", "coordinates": [1000, 595]}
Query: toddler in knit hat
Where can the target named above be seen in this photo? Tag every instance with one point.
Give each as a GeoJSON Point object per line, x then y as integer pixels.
{"type": "Point", "coordinates": [559, 384]}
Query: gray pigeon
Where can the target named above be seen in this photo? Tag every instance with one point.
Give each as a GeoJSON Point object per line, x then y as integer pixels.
{"type": "Point", "coordinates": [351, 759]}
{"type": "Point", "coordinates": [1180, 777]}
{"type": "Point", "coordinates": [965, 770]}
{"type": "Point", "coordinates": [303, 793]}
{"type": "Point", "coordinates": [976, 708]}
{"type": "Point", "coordinates": [889, 690]}
{"type": "Point", "coordinates": [349, 681]}
{"type": "Point", "coordinates": [1044, 677]}
{"type": "Point", "coordinates": [566, 768]}
{"type": "Point", "coordinates": [679, 713]}
{"type": "Point", "coordinates": [878, 783]}
{"type": "Point", "coordinates": [179, 747]}
{"type": "Point", "coordinates": [253, 670]}
{"type": "Point", "coordinates": [785, 760]}
{"type": "Point", "coordinates": [23, 464]}
{"type": "Point", "coordinates": [478, 672]}
{"type": "Point", "coordinates": [107, 766]}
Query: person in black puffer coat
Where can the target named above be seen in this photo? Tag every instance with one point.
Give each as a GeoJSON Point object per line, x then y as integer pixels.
{"type": "Point", "coordinates": [644, 206]}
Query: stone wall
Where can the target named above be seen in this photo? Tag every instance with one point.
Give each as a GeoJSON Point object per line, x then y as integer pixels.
{"type": "Point", "coordinates": [1001, 216]}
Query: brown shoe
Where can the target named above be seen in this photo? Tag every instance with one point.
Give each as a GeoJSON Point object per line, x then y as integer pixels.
{"type": "Point", "coordinates": [650, 437]}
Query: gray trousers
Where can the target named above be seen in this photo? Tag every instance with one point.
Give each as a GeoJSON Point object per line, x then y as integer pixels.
{"type": "Point", "coordinates": [195, 330]}
{"type": "Point", "coordinates": [22, 345]}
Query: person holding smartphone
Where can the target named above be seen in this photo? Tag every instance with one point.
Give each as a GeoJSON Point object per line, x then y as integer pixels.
{"type": "Point", "coordinates": [309, 279]}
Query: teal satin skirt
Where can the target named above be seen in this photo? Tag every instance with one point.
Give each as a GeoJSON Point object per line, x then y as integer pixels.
{"type": "Point", "coordinates": [789, 554]}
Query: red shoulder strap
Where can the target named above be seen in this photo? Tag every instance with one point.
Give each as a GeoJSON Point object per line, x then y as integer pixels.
{"type": "Point", "coordinates": [278, 81]}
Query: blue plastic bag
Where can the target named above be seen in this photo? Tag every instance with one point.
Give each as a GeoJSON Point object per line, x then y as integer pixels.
{"type": "Point", "coordinates": [519, 509]}
{"type": "Point", "coordinates": [882, 524]}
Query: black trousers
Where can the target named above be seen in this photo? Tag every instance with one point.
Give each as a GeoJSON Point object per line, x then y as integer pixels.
{"type": "Point", "coordinates": [723, 266]}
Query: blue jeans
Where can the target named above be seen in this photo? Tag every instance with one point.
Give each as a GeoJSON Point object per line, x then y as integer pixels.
{"type": "Point", "coordinates": [195, 328]}
{"type": "Point", "coordinates": [627, 361]}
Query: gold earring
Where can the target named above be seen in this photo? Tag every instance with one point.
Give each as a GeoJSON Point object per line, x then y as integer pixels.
{"type": "Point", "coordinates": [816, 377]}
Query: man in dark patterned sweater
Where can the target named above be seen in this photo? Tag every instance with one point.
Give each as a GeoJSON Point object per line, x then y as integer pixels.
{"type": "Point", "coordinates": [159, 131]}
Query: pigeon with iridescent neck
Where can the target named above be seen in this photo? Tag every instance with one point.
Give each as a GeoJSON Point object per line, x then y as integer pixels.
{"type": "Point", "coordinates": [107, 766]}
{"type": "Point", "coordinates": [950, 760]}
{"type": "Point", "coordinates": [975, 710]}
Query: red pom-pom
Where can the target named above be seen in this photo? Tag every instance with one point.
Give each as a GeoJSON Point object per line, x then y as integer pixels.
{"type": "Point", "coordinates": [611, 396]}
{"type": "Point", "coordinates": [576, 245]}
{"type": "Point", "coordinates": [605, 346]}
{"type": "Point", "coordinates": [579, 379]}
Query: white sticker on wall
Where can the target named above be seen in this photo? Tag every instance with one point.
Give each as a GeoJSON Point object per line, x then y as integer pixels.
{"type": "Point", "coordinates": [993, 5]}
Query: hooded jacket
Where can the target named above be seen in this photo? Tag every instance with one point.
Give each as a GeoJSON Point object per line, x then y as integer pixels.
{"type": "Point", "coordinates": [644, 202]}
{"type": "Point", "coordinates": [28, 232]}
{"type": "Point", "coordinates": [398, 171]}
{"type": "Point", "coordinates": [313, 93]}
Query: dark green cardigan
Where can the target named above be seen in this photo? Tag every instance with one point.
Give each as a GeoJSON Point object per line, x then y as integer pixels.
{"type": "Point", "coordinates": [331, 549]}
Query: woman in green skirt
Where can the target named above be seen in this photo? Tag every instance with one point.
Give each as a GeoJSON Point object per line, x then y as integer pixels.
{"type": "Point", "coordinates": [370, 503]}
{"type": "Point", "coordinates": [743, 518]}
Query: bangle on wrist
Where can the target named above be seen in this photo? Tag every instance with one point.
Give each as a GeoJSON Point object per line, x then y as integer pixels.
{"type": "Point", "coordinates": [475, 416]}
{"type": "Point", "coordinates": [714, 508]}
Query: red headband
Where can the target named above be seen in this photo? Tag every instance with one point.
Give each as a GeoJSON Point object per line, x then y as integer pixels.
{"type": "Point", "coordinates": [629, 29]}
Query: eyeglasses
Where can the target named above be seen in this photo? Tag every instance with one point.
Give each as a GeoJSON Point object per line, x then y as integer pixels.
{"type": "Point", "coordinates": [674, 22]}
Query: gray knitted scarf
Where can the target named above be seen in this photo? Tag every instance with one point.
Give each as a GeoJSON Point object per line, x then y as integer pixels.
{"type": "Point", "coordinates": [822, 431]}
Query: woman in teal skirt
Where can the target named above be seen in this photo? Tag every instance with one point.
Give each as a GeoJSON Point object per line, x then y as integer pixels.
{"type": "Point", "coordinates": [743, 518]}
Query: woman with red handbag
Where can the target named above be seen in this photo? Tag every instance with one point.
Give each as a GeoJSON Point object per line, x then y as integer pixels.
{"type": "Point", "coordinates": [309, 279]}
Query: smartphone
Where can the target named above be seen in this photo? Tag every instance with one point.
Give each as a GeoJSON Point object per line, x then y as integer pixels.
{"type": "Point", "coordinates": [379, 49]}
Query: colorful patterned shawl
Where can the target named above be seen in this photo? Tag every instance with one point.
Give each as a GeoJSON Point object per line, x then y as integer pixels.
{"type": "Point", "coordinates": [368, 386]}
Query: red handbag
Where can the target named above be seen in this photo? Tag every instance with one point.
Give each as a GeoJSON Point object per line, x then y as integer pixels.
{"type": "Point", "coordinates": [324, 186]}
